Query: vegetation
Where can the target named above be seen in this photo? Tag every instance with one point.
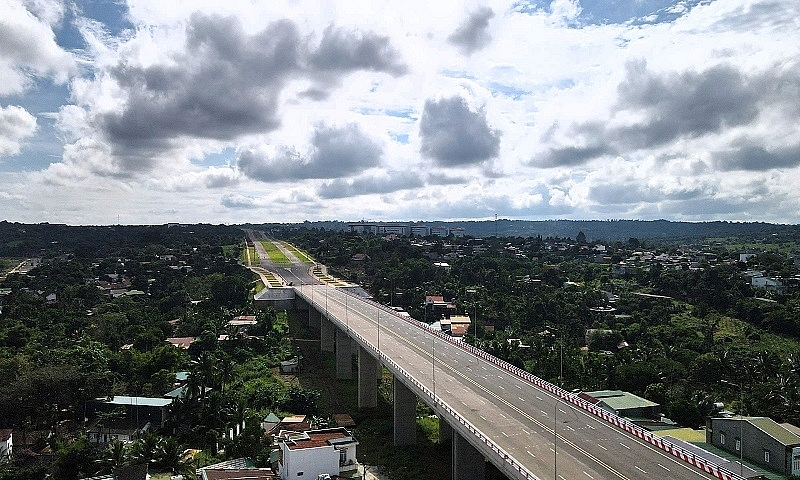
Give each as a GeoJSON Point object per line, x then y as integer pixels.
{"type": "Point", "coordinates": [686, 352]}
{"type": "Point", "coordinates": [102, 333]}
{"type": "Point", "coordinates": [276, 255]}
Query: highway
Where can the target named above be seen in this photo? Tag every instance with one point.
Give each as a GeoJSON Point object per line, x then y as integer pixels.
{"type": "Point", "coordinates": [549, 437]}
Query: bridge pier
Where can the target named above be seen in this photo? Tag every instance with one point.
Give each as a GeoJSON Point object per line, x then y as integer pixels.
{"type": "Point", "coordinates": [314, 318]}
{"type": "Point", "coordinates": [445, 431]}
{"type": "Point", "coordinates": [367, 384]}
{"type": "Point", "coordinates": [405, 415]}
{"type": "Point", "coordinates": [344, 355]}
{"type": "Point", "coordinates": [468, 462]}
{"type": "Point", "coordinates": [326, 334]}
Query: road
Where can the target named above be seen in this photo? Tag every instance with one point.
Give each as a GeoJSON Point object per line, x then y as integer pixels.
{"type": "Point", "coordinates": [549, 437]}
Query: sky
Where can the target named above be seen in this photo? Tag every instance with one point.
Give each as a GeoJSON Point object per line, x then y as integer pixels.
{"type": "Point", "coordinates": [236, 111]}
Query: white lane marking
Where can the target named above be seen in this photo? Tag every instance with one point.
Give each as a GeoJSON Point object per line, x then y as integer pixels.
{"type": "Point", "coordinates": [625, 445]}
{"type": "Point", "coordinates": [484, 418]}
{"type": "Point", "coordinates": [584, 472]}
{"type": "Point", "coordinates": [662, 466]}
{"type": "Point", "coordinates": [526, 432]}
{"type": "Point", "coordinates": [604, 448]}
{"type": "Point", "coordinates": [521, 399]}
{"type": "Point", "coordinates": [529, 453]}
{"type": "Point", "coordinates": [538, 398]}
{"type": "Point", "coordinates": [637, 468]}
{"type": "Point", "coordinates": [543, 412]}
{"type": "Point", "coordinates": [504, 433]}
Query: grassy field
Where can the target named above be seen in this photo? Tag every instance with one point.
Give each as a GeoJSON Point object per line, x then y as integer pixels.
{"type": "Point", "coordinates": [275, 254]}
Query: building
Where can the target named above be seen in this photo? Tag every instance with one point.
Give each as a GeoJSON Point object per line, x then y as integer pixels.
{"type": "Point", "coordinates": [759, 440]}
{"type": "Point", "coordinates": [459, 325]}
{"type": "Point", "coordinates": [624, 404]}
{"type": "Point", "coordinates": [436, 307]}
{"type": "Point", "coordinates": [133, 412]}
{"type": "Point", "coordinates": [312, 453]}
{"type": "Point", "coordinates": [6, 443]}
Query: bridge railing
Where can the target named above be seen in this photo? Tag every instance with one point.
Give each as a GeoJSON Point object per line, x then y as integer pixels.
{"type": "Point", "coordinates": [569, 397]}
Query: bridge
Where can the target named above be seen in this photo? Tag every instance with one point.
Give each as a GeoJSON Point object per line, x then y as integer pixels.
{"type": "Point", "coordinates": [526, 427]}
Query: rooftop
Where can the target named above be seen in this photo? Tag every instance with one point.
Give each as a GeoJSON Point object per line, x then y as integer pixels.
{"type": "Point", "coordinates": [619, 400]}
{"type": "Point", "coordinates": [143, 401]}
{"type": "Point", "coordinates": [317, 438]}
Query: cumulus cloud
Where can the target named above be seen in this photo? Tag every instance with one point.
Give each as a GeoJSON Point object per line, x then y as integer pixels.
{"type": "Point", "coordinates": [687, 104]}
{"type": "Point", "coordinates": [335, 152]}
{"type": "Point", "coordinates": [28, 46]}
{"type": "Point", "coordinates": [16, 124]}
{"type": "Point", "coordinates": [236, 200]}
{"type": "Point", "coordinates": [454, 135]}
{"type": "Point", "coordinates": [473, 35]}
{"type": "Point", "coordinates": [754, 156]}
{"type": "Point", "coordinates": [655, 110]}
{"type": "Point", "coordinates": [224, 84]}
{"type": "Point", "coordinates": [371, 184]}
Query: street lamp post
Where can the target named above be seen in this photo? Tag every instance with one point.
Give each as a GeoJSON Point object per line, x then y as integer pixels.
{"type": "Point", "coordinates": [741, 424]}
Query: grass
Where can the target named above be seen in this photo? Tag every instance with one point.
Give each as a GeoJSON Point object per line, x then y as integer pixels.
{"type": "Point", "coordinates": [301, 255]}
{"type": "Point", "coordinates": [275, 254]}
{"type": "Point", "coordinates": [272, 279]}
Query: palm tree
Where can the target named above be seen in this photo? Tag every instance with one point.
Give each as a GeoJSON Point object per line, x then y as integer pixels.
{"type": "Point", "coordinates": [171, 457]}
{"type": "Point", "coordinates": [114, 456]}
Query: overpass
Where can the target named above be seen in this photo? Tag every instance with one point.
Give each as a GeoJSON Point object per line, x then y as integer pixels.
{"type": "Point", "coordinates": [527, 428]}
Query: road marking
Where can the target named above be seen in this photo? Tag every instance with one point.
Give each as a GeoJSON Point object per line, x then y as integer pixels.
{"type": "Point", "coordinates": [641, 470]}
{"type": "Point", "coordinates": [584, 472]}
{"type": "Point", "coordinates": [604, 448]}
{"type": "Point", "coordinates": [522, 399]}
{"type": "Point", "coordinates": [504, 433]}
{"type": "Point", "coordinates": [662, 466]}
{"type": "Point", "coordinates": [484, 418]}
{"type": "Point", "coordinates": [625, 445]}
{"type": "Point", "coordinates": [529, 453]}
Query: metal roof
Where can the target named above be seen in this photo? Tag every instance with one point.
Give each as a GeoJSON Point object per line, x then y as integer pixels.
{"type": "Point", "coordinates": [619, 400]}
{"type": "Point", "coordinates": [136, 401]}
{"type": "Point", "coordinates": [775, 430]}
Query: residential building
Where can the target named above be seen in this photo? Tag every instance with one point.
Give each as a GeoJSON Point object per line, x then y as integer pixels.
{"type": "Point", "coordinates": [312, 453]}
{"type": "Point", "coordinates": [759, 440]}
{"type": "Point", "coordinates": [624, 404]}
{"type": "Point", "coordinates": [6, 443]}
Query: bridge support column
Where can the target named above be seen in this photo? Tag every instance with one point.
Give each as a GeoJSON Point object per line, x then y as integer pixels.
{"type": "Point", "coordinates": [313, 318]}
{"type": "Point", "coordinates": [445, 431]}
{"type": "Point", "coordinates": [326, 334]}
{"type": "Point", "coordinates": [468, 462]}
{"type": "Point", "coordinates": [367, 384]}
{"type": "Point", "coordinates": [344, 355]}
{"type": "Point", "coordinates": [405, 415]}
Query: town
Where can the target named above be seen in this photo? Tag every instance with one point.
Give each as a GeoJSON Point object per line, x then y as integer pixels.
{"type": "Point", "coordinates": [173, 351]}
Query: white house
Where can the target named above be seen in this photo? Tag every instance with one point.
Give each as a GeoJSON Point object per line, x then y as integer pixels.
{"type": "Point", "coordinates": [316, 452]}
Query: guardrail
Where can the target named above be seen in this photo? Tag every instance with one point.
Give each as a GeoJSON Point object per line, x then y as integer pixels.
{"type": "Point", "coordinates": [619, 422]}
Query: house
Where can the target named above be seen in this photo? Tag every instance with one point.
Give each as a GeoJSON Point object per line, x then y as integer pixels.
{"type": "Point", "coordinates": [6, 443]}
{"type": "Point", "coordinates": [181, 342]}
{"type": "Point", "coordinates": [759, 440]}
{"type": "Point", "coordinates": [770, 284]}
{"type": "Point", "coordinates": [624, 404]}
{"type": "Point", "coordinates": [243, 321]}
{"type": "Point", "coordinates": [138, 410]}
{"type": "Point", "coordinates": [312, 453]}
{"type": "Point", "coordinates": [436, 307]}
{"type": "Point", "coordinates": [459, 325]}
{"type": "Point", "coordinates": [235, 469]}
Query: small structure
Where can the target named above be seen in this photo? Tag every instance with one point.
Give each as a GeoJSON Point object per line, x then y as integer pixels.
{"type": "Point", "coordinates": [624, 404]}
{"type": "Point", "coordinates": [236, 469]}
{"type": "Point", "coordinates": [760, 440]}
{"type": "Point", "coordinates": [459, 325]}
{"type": "Point", "coordinates": [291, 366]}
{"type": "Point", "coordinates": [139, 409]}
{"type": "Point", "coordinates": [6, 443]}
{"type": "Point", "coordinates": [181, 342]}
{"type": "Point", "coordinates": [312, 453]}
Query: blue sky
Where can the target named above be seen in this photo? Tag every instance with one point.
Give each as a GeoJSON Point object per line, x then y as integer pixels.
{"type": "Point", "coordinates": [239, 111]}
